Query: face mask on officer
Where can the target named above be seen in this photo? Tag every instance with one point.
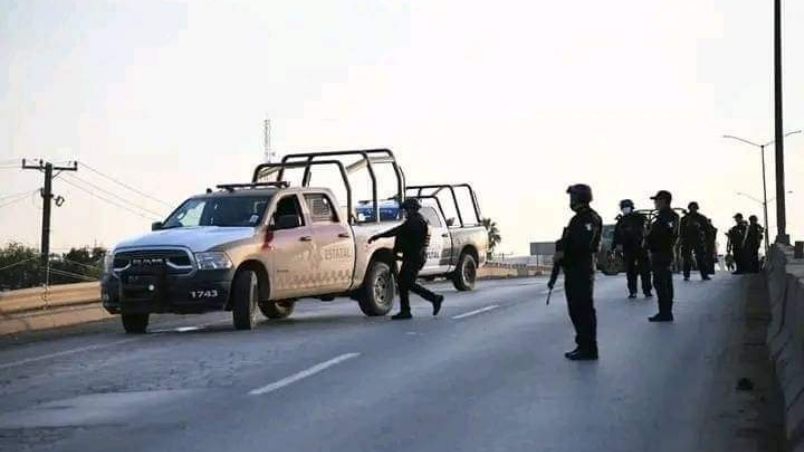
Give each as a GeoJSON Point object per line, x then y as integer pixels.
{"type": "Point", "coordinates": [626, 210]}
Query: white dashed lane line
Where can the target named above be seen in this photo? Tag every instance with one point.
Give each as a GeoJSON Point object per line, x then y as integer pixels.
{"type": "Point", "coordinates": [318, 368]}
{"type": "Point", "coordinates": [475, 312]}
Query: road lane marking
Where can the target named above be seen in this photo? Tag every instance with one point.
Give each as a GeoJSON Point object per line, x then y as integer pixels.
{"type": "Point", "coordinates": [67, 352]}
{"type": "Point", "coordinates": [475, 312]}
{"type": "Point", "coordinates": [303, 374]}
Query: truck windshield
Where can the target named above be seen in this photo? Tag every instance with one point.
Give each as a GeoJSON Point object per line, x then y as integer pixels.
{"type": "Point", "coordinates": [224, 211]}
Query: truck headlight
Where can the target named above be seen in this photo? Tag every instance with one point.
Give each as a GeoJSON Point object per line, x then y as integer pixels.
{"type": "Point", "coordinates": [108, 262]}
{"type": "Point", "coordinates": [213, 261]}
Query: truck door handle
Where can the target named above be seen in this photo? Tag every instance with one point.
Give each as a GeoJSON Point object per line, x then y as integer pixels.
{"type": "Point", "coordinates": [344, 235]}
{"type": "Point", "coordinates": [306, 238]}
{"type": "Point", "coordinates": [445, 235]}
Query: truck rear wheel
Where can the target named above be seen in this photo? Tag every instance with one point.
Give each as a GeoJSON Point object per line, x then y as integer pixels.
{"type": "Point", "coordinates": [277, 310]}
{"type": "Point", "coordinates": [245, 292]}
{"type": "Point", "coordinates": [465, 275]}
{"type": "Point", "coordinates": [377, 294]}
{"type": "Point", "coordinates": [135, 323]}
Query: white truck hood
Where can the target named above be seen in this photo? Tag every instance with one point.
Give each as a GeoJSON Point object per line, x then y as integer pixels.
{"type": "Point", "coordinates": [197, 239]}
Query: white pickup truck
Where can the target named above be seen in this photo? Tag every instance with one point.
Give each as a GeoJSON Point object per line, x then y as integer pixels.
{"type": "Point", "coordinates": [261, 246]}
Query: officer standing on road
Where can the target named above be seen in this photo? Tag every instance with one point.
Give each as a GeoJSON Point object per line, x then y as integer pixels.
{"type": "Point", "coordinates": [412, 239]}
{"type": "Point", "coordinates": [576, 251]}
{"type": "Point", "coordinates": [629, 234]}
{"type": "Point", "coordinates": [736, 243]}
{"type": "Point", "coordinates": [661, 241]}
{"type": "Point", "coordinates": [753, 241]}
{"type": "Point", "coordinates": [693, 239]}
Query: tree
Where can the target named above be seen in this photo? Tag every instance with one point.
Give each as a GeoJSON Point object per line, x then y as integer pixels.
{"type": "Point", "coordinates": [21, 267]}
{"type": "Point", "coordinates": [494, 235]}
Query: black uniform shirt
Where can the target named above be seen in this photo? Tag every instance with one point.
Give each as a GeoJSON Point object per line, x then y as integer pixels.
{"type": "Point", "coordinates": [694, 228]}
{"type": "Point", "coordinates": [663, 233]}
{"type": "Point", "coordinates": [629, 231]}
{"type": "Point", "coordinates": [736, 237]}
{"type": "Point", "coordinates": [581, 238]}
{"type": "Point", "coordinates": [412, 237]}
{"type": "Point", "coordinates": [753, 236]}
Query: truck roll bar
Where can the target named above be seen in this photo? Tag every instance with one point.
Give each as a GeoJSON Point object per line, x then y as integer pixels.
{"type": "Point", "coordinates": [437, 188]}
{"type": "Point", "coordinates": [368, 158]}
{"type": "Point", "coordinates": [266, 169]}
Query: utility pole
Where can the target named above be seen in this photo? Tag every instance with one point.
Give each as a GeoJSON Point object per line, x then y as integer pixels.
{"type": "Point", "coordinates": [47, 197]}
{"type": "Point", "coordinates": [781, 220]}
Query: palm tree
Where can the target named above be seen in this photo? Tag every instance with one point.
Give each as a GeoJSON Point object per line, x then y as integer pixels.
{"type": "Point", "coordinates": [494, 235]}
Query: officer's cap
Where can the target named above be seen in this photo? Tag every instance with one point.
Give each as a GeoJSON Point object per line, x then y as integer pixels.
{"type": "Point", "coordinates": [663, 194]}
{"type": "Point", "coordinates": [581, 192]}
{"type": "Point", "coordinates": [753, 218]}
{"type": "Point", "coordinates": [626, 203]}
{"type": "Point", "coordinates": [738, 216]}
{"type": "Point", "coordinates": [693, 205]}
{"type": "Point", "coordinates": [411, 204]}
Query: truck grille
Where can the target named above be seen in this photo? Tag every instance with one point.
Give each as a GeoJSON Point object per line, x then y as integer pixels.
{"type": "Point", "coordinates": [170, 261]}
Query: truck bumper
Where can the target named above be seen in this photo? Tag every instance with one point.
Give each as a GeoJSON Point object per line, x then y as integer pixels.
{"type": "Point", "coordinates": [205, 291]}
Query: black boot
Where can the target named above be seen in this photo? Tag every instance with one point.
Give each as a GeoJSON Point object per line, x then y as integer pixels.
{"type": "Point", "coordinates": [437, 304]}
{"type": "Point", "coordinates": [631, 296]}
{"type": "Point", "coordinates": [661, 318]}
{"type": "Point", "coordinates": [583, 354]}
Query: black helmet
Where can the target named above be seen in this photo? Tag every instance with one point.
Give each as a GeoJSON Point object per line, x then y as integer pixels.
{"type": "Point", "coordinates": [738, 216]}
{"type": "Point", "coordinates": [752, 218]}
{"type": "Point", "coordinates": [626, 203]}
{"type": "Point", "coordinates": [693, 205]}
{"type": "Point", "coordinates": [411, 204]}
{"type": "Point", "coordinates": [580, 193]}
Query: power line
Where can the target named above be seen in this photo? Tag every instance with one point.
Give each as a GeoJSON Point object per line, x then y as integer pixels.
{"type": "Point", "coordinates": [122, 199]}
{"type": "Point", "coordinates": [18, 263]}
{"type": "Point", "coordinates": [57, 272]}
{"type": "Point", "coordinates": [122, 206]}
{"type": "Point", "coordinates": [12, 195]}
{"type": "Point", "coordinates": [19, 198]}
{"type": "Point", "coordinates": [115, 180]}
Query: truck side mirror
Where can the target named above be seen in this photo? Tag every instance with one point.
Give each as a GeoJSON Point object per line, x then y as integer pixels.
{"type": "Point", "coordinates": [450, 222]}
{"type": "Point", "coordinates": [287, 222]}
{"type": "Point", "coordinates": [156, 225]}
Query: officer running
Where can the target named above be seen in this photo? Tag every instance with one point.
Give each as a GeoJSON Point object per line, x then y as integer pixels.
{"type": "Point", "coordinates": [575, 253]}
{"type": "Point", "coordinates": [694, 231]}
{"type": "Point", "coordinates": [736, 244]}
{"type": "Point", "coordinates": [753, 241]}
{"type": "Point", "coordinates": [661, 241]}
{"type": "Point", "coordinates": [629, 235]}
{"type": "Point", "coordinates": [412, 239]}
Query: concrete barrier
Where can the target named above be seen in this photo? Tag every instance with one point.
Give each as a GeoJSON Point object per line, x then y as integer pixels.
{"type": "Point", "coordinates": [38, 309]}
{"type": "Point", "coordinates": [71, 304]}
{"type": "Point", "coordinates": [785, 280]}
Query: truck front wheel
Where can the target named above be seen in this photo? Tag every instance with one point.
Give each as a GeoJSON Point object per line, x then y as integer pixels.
{"type": "Point", "coordinates": [244, 300]}
{"type": "Point", "coordinates": [377, 294]}
{"type": "Point", "coordinates": [277, 310]}
{"type": "Point", "coordinates": [135, 323]}
{"type": "Point", "coordinates": [465, 275]}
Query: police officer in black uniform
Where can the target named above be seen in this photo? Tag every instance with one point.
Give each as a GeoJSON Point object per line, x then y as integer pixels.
{"type": "Point", "coordinates": [753, 241]}
{"type": "Point", "coordinates": [412, 239]}
{"type": "Point", "coordinates": [661, 242]}
{"type": "Point", "coordinates": [694, 227]}
{"type": "Point", "coordinates": [736, 243]}
{"type": "Point", "coordinates": [578, 245]}
{"type": "Point", "coordinates": [629, 234]}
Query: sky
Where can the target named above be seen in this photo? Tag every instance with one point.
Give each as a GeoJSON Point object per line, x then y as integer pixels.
{"type": "Point", "coordinates": [518, 98]}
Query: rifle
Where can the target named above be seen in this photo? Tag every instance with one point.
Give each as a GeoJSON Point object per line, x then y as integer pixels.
{"type": "Point", "coordinates": [556, 268]}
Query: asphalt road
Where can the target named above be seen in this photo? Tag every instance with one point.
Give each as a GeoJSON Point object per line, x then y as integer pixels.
{"type": "Point", "coordinates": [488, 374]}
